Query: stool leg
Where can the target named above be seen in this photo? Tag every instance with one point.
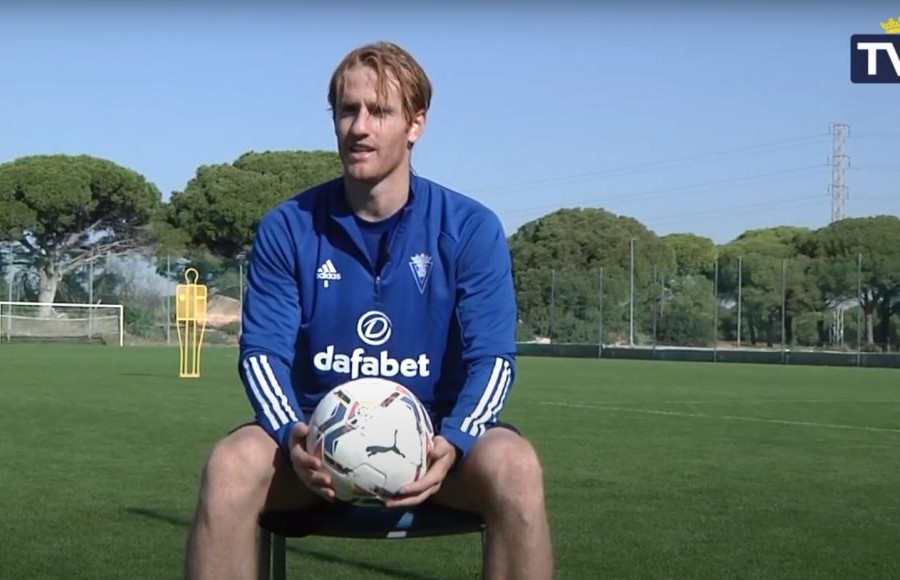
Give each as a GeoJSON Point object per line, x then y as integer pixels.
{"type": "Point", "coordinates": [279, 571]}
{"type": "Point", "coordinates": [483, 551]}
{"type": "Point", "coordinates": [264, 554]}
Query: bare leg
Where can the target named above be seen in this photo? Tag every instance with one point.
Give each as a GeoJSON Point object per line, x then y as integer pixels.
{"type": "Point", "coordinates": [245, 474]}
{"type": "Point", "coordinates": [502, 480]}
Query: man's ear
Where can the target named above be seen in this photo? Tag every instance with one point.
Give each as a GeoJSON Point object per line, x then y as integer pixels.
{"type": "Point", "coordinates": [416, 128]}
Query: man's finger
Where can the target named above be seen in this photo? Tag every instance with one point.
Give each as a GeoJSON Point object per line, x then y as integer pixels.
{"type": "Point", "coordinates": [320, 478]}
{"type": "Point", "coordinates": [438, 449]}
{"type": "Point", "coordinates": [310, 461]}
{"type": "Point", "coordinates": [432, 477]}
{"type": "Point", "coordinates": [319, 483]}
{"type": "Point", "coordinates": [299, 433]}
{"type": "Point", "coordinates": [412, 500]}
{"type": "Point", "coordinates": [417, 487]}
{"type": "Point", "coordinates": [325, 493]}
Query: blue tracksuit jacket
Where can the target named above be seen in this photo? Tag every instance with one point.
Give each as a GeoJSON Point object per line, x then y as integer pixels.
{"type": "Point", "coordinates": [439, 318]}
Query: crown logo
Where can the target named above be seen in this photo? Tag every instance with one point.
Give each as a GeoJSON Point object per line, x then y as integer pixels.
{"type": "Point", "coordinates": [892, 26]}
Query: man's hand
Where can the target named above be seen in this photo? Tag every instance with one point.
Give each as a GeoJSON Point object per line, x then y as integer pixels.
{"type": "Point", "coordinates": [309, 467]}
{"type": "Point", "coordinates": [440, 460]}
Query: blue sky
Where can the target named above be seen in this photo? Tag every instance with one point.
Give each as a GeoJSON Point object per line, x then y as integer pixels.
{"type": "Point", "coordinates": [705, 118]}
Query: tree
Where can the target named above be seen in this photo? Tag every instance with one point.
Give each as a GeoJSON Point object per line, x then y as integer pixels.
{"type": "Point", "coordinates": [685, 308]}
{"type": "Point", "coordinates": [769, 266]}
{"type": "Point", "coordinates": [835, 280]}
{"type": "Point", "coordinates": [693, 254]}
{"type": "Point", "coordinates": [686, 315]}
{"type": "Point", "coordinates": [220, 208]}
{"type": "Point", "coordinates": [63, 212]}
{"type": "Point", "coordinates": [870, 246]}
{"type": "Point", "coordinates": [557, 261]}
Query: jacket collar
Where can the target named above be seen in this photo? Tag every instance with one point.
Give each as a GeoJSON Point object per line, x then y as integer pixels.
{"type": "Point", "coordinates": [339, 210]}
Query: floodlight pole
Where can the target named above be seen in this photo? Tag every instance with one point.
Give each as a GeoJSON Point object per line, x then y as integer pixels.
{"type": "Point", "coordinates": [740, 284]}
{"type": "Point", "coordinates": [631, 301]}
{"type": "Point", "coordinates": [168, 301]}
{"type": "Point", "coordinates": [600, 319]}
{"type": "Point", "coordinates": [859, 310]}
{"type": "Point", "coordinates": [716, 311]}
{"type": "Point", "coordinates": [783, 308]}
{"type": "Point", "coordinates": [552, 303]}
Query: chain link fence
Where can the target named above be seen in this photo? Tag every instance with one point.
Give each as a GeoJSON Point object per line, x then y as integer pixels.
{"type": "Point", "coordinates": [743, 302]}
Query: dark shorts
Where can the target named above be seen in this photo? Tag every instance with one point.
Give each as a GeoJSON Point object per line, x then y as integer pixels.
{"type": "Point", "coordinates": [454, 469]}
{"type": "Point", "coordinates": [435, 422]}
{"type": "Point", "coordinates": [500, 424]}
{"type": "Point", "coordinates": [509, 426]}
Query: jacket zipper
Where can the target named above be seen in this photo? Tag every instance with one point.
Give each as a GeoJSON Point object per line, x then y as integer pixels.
{"type": "Point", "coordinates": [386, 259]}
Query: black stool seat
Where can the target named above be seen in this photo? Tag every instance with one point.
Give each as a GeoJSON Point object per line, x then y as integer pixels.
{"type": "Point", "coordinates": [352, 521]}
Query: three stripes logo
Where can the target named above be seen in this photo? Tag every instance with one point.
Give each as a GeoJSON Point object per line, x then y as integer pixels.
{"type": "Point", "coordinates": [327, 272]}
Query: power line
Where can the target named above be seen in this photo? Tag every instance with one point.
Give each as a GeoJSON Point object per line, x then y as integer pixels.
{"type": "Point", "coordinates": [876, 136]}
{"type": "Point", "coordinates": [878, 197]}
{"type": "Point", "coordinates": [802, 201]}
{"type": "Point", "coordinates": [876, 167]}
{"type": "Point", "coordinates": [668, 164]}
{"type": "Point", "coordinates": [794, 202]}
{"type": "Point", "coordinates": [704, 187]}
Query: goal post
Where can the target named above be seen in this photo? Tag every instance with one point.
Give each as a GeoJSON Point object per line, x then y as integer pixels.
{"type": "Point", "coordinates": [40, 321]}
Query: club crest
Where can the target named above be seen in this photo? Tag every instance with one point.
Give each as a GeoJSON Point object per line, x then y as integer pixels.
{"type": "Point", "coordinates": [420, 265]}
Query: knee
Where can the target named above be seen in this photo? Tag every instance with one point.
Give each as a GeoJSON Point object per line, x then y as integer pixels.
{"type": "Point", "coordinates": [516, 478]}
{"type": "Point", "coordinates": [518, 462]}
{"type": "Point", "coordinates": [237, 470]}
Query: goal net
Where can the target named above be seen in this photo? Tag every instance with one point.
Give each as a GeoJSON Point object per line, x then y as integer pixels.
{"type": "Point", "coordinates": [35, 321]}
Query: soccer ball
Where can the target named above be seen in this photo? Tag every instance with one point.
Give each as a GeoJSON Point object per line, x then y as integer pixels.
{"type": "Point", "coordinates": [373, 436]}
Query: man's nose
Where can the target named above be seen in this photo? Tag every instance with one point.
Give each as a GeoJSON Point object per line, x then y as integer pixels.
{"type": "Point", "coordinates": [362, 123]}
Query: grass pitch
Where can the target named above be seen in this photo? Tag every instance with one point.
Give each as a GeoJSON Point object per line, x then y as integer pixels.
{"type": "Point", "coordinates": [653, 469]}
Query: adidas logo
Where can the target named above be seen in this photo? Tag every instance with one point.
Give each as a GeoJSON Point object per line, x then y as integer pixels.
{"type": "Point", "coordinates": [327, 272]}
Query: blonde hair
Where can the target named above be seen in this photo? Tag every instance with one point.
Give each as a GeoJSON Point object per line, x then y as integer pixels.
{"type": "Point", "coordinates": [391, 64]}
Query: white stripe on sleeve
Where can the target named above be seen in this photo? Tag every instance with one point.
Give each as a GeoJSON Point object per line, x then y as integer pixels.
{"type": "Point", "coordinates": [478, 427]}
{"type": "Point", "coordinates": [480, 409]}
{"type": "Point", "coordinates": [267, 390]}
{"type": "Point", "coordinates": [259, 396]}
{"type": "Point", "coordinates": [276, 387]}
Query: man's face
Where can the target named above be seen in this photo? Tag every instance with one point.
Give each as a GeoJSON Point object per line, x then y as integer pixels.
{"type": "Point", "coordinates": [372, 140]}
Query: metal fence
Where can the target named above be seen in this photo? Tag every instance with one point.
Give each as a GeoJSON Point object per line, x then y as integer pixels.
{"type": "Point", "coordinates": [743, 302]}
{"type": "Point", "coordinates": [145, 286]}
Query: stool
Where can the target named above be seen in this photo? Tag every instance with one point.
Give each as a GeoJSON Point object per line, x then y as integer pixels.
{"type": "Point", "coordinates": [343, 520]}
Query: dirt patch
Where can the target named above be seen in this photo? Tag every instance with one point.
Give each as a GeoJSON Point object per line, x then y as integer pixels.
{"type": "Point", "coordinates": [222, 311]}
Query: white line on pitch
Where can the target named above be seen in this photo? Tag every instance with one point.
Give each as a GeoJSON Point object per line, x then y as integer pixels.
{"type": "Point", "coordinates": [748, 401]}
{"type": "Point", "coordinates": [776, 401]}
{"type": "Point", "coordinates": [727, 417]}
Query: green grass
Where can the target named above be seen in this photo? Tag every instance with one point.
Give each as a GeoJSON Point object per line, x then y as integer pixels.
{"type": "Point", "coordinates": [653, 469]}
